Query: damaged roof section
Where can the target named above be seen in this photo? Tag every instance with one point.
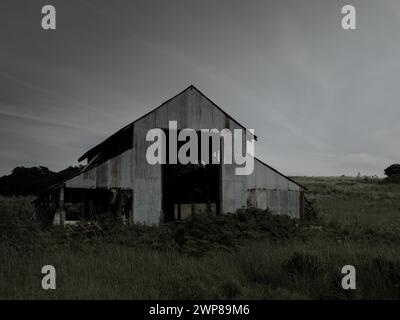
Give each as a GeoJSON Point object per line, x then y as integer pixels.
{"type": "Point", "coordinates": [118, 143]}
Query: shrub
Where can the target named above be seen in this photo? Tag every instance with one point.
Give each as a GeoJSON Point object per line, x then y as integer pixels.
{"type": "Point", "coordinates": [310, 211]}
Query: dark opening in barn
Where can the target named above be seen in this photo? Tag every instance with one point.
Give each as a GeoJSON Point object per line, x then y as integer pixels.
{"type": "Point", "coordinates": [190, 189]}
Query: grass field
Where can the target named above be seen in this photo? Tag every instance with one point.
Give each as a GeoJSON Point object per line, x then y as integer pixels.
{"type": "Point", "coordinates": [238, 257]}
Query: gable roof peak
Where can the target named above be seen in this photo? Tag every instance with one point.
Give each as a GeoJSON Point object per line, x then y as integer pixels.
{"type": "Point", "coordinates": [96, 148]}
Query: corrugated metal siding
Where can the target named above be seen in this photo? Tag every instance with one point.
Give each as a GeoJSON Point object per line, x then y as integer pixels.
{"type": "Point", "coordinates": [146, 177]}
{"type": "Point", "coordinates": [113, 173]}
{"type": "Point", "coordinates": [272, 191]}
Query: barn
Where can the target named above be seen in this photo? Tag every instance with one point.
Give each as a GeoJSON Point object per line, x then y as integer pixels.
{"type": "Point", "coordinates": [117, 179]}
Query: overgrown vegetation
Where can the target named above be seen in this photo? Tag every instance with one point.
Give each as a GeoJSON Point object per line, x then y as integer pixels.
{"type": "Point", "coordinates": [248, 255]}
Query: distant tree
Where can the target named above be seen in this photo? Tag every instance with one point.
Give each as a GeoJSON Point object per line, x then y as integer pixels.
{"type": "Point", "coordinates": [393, 173]}
{"type": "Point", "coordinates": [393, 169]}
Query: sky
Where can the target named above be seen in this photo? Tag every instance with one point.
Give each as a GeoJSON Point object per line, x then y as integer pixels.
{"type": "Point", "coordinates": [322, 100]}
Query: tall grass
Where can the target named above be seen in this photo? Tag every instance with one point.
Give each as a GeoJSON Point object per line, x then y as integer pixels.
{"type": "Point", "coordinates": [249, 255]}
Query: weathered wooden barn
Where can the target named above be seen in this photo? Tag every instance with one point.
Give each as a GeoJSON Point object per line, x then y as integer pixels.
{"type": "Point", "coordinates": [118, 180]}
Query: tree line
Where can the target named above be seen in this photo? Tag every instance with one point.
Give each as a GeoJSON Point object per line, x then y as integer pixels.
{"type": "Point", "coordinates": [31, 181]}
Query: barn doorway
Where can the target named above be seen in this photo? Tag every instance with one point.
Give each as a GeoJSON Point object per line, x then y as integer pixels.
{"type": "Point", "coordinates": [190, 189]}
